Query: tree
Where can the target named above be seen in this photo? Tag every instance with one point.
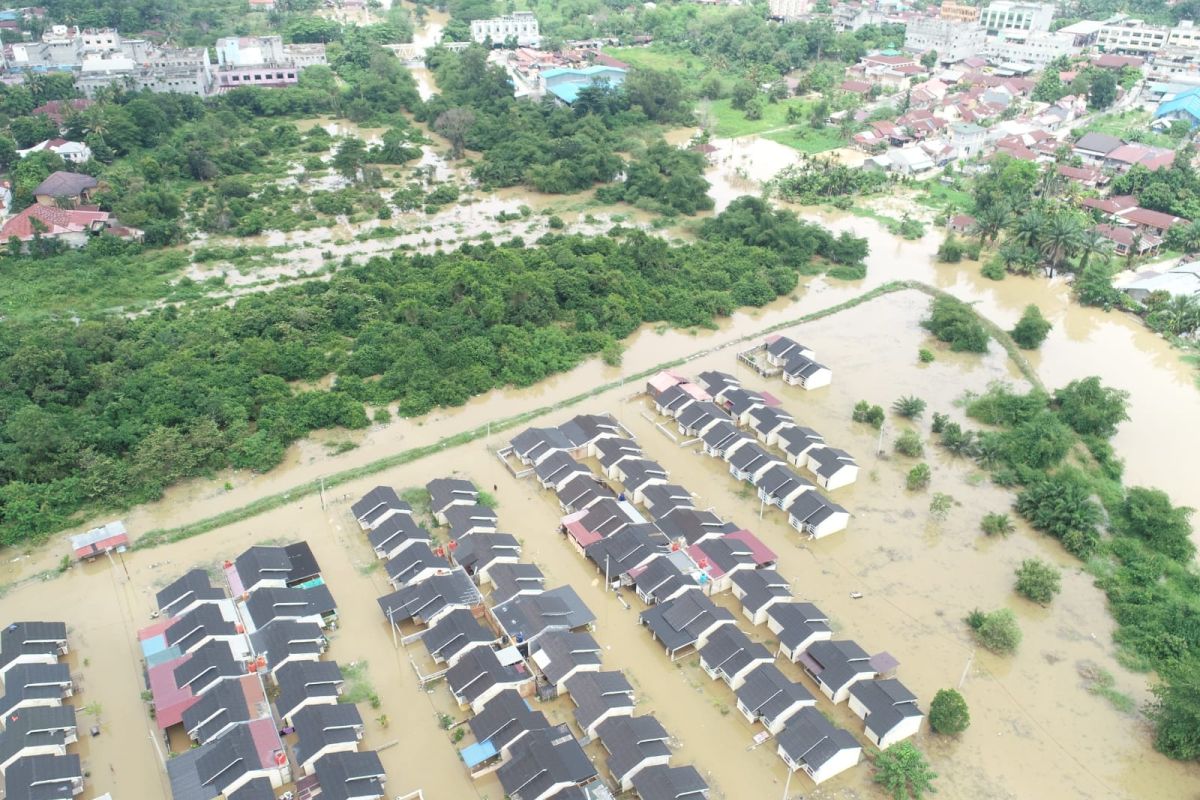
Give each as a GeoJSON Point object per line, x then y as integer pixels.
{"type": "Point", "coordinates": [948, 713]}
{"type": "Point", "coordinates": [1031, 330]}
{"type": "Point", "coordinates": [908, 443]}
{"type": "Point", "coordinates": [951, 250]}
{"type": "Point", "coordinates": [712, 88]}
{"type": "Point", "coordinates": [1060, 238]}
{"type": "Point", "coordinates": [996, 524]}
{"type": "Point", "coordinates": [997, 631]}
{"type": "Point", "coordinates": [1038, 580]}
{"type": "Point", "coordinates": [454, 124]}
{"type": "Point", "coordinates": [1149, 515]}
{"type": "Point", "coordinates": [990, 221]}
{"type": "Point", "coordinates": [1092, 409]}
{"type": "Point", "coordinates": [904, 773]}
{"type": "Point", "coordinates": [909, 407]}
{"type": "Point", "coordinates": [952, 321]}
{"type": "Point", "coordinates": [1093, 245]}
{"type": "Point", "coordinates": [741, 94]}
{"type": "Point", "coordinates": [930, 59]}
{"type": "Point", "coordinates": [1175, 710]}
{"type": "Point", "coordinates": [865, 412]}
{"type": "Point", "coordinates": [1061, 505]}
{"type": "Point", "coordinates": [659, 94]}
{"type": "Point", "coordinates": [349, 158]}
{"type": "Point", "coordinates": [753, 108]}
{"type": "Point", "coordinates": [918, 477]}
{"type": "Point", "coordinates": [1103, 90]}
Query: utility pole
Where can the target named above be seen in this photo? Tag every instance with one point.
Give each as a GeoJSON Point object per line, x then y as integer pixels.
{"type": "Point", "coordinates": [787, 786]}
{"type": "Point", "coordinates": [606, 582]}
{"type": "Point", "coordinates": [879, 448]}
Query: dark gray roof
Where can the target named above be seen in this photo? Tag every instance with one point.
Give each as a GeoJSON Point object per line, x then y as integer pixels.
{"type": "Point", "coordinates": [811, 739]}
{"type": "Point", "coordinates": [739, 401]}
{"type": "Point", "coordinates": [767, 693]}
{"type": "Point", "coordinates": [395, 530]}
{"type": "Point", "coordinates": [661, 578]}
{"type": "Point", "coordinates": [425, 599]}
{"type": "Point", "coordinates": [269, 603]}
{"type": "Point", "coordinates": [262, 562]}
{"type": "Point", "coordinates": [221, 706]}
{"type": "Point", "coordinates": [678, 623]}
{"type": "Point", "coordinates": [639, 472]}
{"type": "Point", "coordinates": [211, 662]}
{"type": "Point", "coordinates": [443, 492]}
{"type": "Point", "coordinates": [697, 415]}
{"type": "Point", "coordinates": [626, 549]}
{"type": "Point", "coordinates": [813, 508]}
{"type": "Point", "coordinates": [670, 783]}
{"type": "Point", "coordinates": [504, 719]}
{"type": "Point", "coordinates": [535, 443]}
{"type": "Point", "coordinates": [799, 621]}
{"type": "Point", "coordinates": [454, 633]}
{"type": "Point", "coordinates": [228, 758]}
{"type": "Point", "coordinates": [664, 497]}
{"type": "Point", "coordinates": [768, 418]}
{"type": "Point", "coordinates": [751, 457]}
{"type": "Point", "coordinates": [412, 561]}
{"type": "Point", "coordinates": [479, 670]}
{"type": "Point", "coordinates": [527, 616]}
{"type": "Point", "coordinates": [465, 519]}
{"type": "Point", "coordinates": [31, 638]}
{"type": "Point", "coordinates": [302, 680]}
{"type": "Point", "coordinates": [542, 760]}
{"type": "Point", "coordinates": [606, 517]}
{"type": "Point", "coordinates": [322, 725]}
{"type": "Point", "coordinates": [760, 586]}
{"type": "Point", "coordinates": [33, 682]}
{"type": "Point", "coordinates": [35, 727]}
{"type": "Point", "coordinates": [723, 434]}
{"type": "Point", "coordinates": [692, 524]}
{"type": "Point", "coordinates": [377, 502]}
{"type": "Point", "coordinates": [581, 491]}
{"type": "Point", "coordinates": [728, 553]}
{"type": "Point", "coordinates": [780, 481]}
{"type": "Point", "coordinates": [595, 693]}
{"type": "Point", "coordinates": [888, 703]}
{"type": "Point", "coordinates": [186, 783]}
{"type": "Point", "coordinates": [781, 346]}
{"type": "Point", "coordinates": [557, 466]}
{"type": "Point", "coordinates": [830, 460]}
{"type": "Point", "coordinates": [347, 775]}
{"type": "Point", "coordinates": [201, 622]}
{"type": "Point", "coordinates": [558, 652]}
{"type": "Point", "coordinates": [478, 551]}
{"type": "Point", "coordinates": [583, 429]}
{"type": "Point", "coordinates": [285, 638]}
{"type": "Point", "coordinates": [729, 651]}
{"type": "Point", "coordinates": [509, 580]}
{"type": "Point", "coordinates": [837, 662]}
{"type": "Point", "coordinates": [1098, 142]}
{"type": "Point", "coordinates": [65, 184]}
{"type": "Point", "coordinates": [798, 439]}
{"type": "Point", "coordinates": [610, 451]}
{"type": "Point", "coordinates": [714, 381]}
{"type": "Point", "coordinates": [670, 397]}
{"type": "Point", "coordinates": [254, 789]}
{"type": "Point", "coordinates": [801, 366]}
{"type": "Point", "coordinates": [192, 585]}
{"type": "Point", "coordinates": [43, 778]}
{"type": "Point", "coordinates": [630, 741]}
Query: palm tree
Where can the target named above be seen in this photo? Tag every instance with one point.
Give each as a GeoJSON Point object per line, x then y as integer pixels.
{"type": "Point", "coordinates": [990, 221]}
{"type": "Point", "coordinates": [1181, 314]}
{"type": "Point", "coordinates": [1050, 183]}
{"type": "Point", "coordinates": [1061, 238]}
{"type": "Point", "coordinates": [1029, 227]}
{"type": "Point", "coordinates": [1017, 257]}
{"type": "Point", "coordinates": [1093, 245]}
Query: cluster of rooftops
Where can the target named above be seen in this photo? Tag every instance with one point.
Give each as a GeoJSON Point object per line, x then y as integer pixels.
{"type": "Point", "coordinates": [240, 672]}
{"type": "Point", "coordinates": [523, 640]}
{"type": "Point", "coordinates": [649, 536]}
{"type": "Point", "coordinates": [38, 726]}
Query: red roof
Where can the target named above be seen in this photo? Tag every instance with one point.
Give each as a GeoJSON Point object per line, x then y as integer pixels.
{"type": "Point", "coordinates": [762, 554]}
{"type": "Point", "coordinates": [58, 110]}
{"type": "Point", "coordinates": [608, 61]}
{"type": "Point", "coordinates": [893, 60]}
{"type": "Point", "coordinates": [55, 221]}
{"type": "Point", "coordinates": [1151, 219]}
{"type": "Point", "coordinates": [1082, 174]}
{"type": "Point", "coordinates": [575, 528]}
{"type": "Point", "coordinates": [1110, 205]}
{"type": "Point", "coordinates": [858, 87]}
{"type": "Point", "coordinates": [962, 222]}
{"type": "Point", "coordinates": [102, 545]}
{"type": "Point", "coordinates": [1125, 236]}
{"type": "Point", "coordinates": [266, 741]}
{"type": "Point", "coordinates": [1112, 61]}
{"type": "Point", "coordinates": [170, 701]}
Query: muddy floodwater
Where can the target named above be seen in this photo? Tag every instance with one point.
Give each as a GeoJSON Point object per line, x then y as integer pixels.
{"type": "Point", "coordinates": [1036, 729]}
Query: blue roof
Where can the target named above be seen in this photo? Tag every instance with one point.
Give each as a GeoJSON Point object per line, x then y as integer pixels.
{"type": "Point", "coordinates": [478, 753]}
{"type": "Point", "coordinates": [1188, 102]}
{"type": "Point", "coordinates": [565, 83]}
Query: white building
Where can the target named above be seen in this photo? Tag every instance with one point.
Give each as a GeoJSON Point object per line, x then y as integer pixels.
{"type": "Point", "coordinates": [72, 152]}
{"type": "Point", "coordinates": [1132, 36]}
{"type": "Point", "coordinates": [520, 25]}
{"type": "Point", "coordinates": [788, 10]}
{"type": "Point", "coordinates": [1038, 48]}
{"type": "Point", "coordinates": [953, 41]}
{"type": "Point", "coordinates": [1013, 15]}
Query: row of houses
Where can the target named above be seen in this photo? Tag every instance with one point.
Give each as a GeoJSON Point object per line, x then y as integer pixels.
{"type": "Point", "coordinates": [237, 674]}
{"type": "Point", "coordinates": [676, 578]}
{"type": "Point", "coordinates": [37, 725]}
{"type": "Point", "coordinates": [521, 641]}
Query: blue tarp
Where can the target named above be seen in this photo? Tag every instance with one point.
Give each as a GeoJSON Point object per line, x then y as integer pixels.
{"type": "Point", "coordinates": [478, 753]}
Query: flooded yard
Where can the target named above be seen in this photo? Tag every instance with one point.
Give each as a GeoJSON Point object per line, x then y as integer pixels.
{"type": "Point", "coordinates": [1036, 729]}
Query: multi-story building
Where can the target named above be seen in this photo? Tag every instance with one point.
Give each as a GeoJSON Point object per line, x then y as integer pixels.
{"type": "Point", "coordinates": [263, 61]}
{"type": "Point", "coordinates": [788, 10]}
{"type": "Point", "coordinates": [1013, 15]}
{"type": "Point", "coordinates": [175, 70]}
{"type": "Point", "coordinates": [1131, 36]}
{"type": "Point", "coordinates": [958, 12]}
{"type": "Point", "coordinates": [953, 41]}
{"type": "Point", "coordinates": [520, 25]}
{"type": "Point", "coordinates": [852, 17]}
{"type": "Point", "coordinates": [1038, 48]}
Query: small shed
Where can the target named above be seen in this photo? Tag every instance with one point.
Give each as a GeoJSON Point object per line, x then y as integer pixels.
{"type": "Point", "coordinates": [99, 541]}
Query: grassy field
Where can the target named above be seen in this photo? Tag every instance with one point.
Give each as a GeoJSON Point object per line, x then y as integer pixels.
{"type": "Point", "coordinates": [808, 140]}
{"type": "Point", "coordinates": [936, 194]}
{"type": "Point", "coordinates": [691, 69]}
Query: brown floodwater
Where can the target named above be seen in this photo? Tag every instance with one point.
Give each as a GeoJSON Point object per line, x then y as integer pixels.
{"type": "Point", "coordinates": [1036, 730]}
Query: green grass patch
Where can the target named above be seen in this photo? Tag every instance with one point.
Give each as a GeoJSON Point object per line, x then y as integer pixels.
{"type": "Point", "coordinates": [807, 139]}
{"type": "Point", "coordinates": [936, 194]}
{"type": "Point", "coordinates": [1121, 123]}
{"type": "Point", "coordinates": [359, 688]}
{"type": "Point", "coordinates": [732, 122]}
{"type": "Point", "coordinates": [691, 68]}
{"type": "Point", "coordinates": [1102, 684]}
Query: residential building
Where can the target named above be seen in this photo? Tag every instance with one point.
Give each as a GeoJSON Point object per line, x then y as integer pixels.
{"type": "Point", "coordinates": [100, 540]}
{"type": "Point", "coordinates": [889, 710]}
{"type": "Point", "coordinates": [546, 764]}
{"type": "Point", "coordinates": [1084, 32]}
{"type": "Point", "coordinates": [520, 25]}
{"type": "Point", "coordinates": [565, 83]}
{"type": "Point", "coordinates": [958, 12]}
{"type": "Point", "coordinates": [65, 189]}
{"type": "Point", "coordinates": [770, 697]}
{"type": "Point", "coordinates": [1184, 106]}
{"type": "Point", "coordinates": [263, 61]}
{"type": "Point", "coordinates": [633, 744]}
{"type": "Point", "coordinates": [44, 777]}
{"type": "Point", "coordinates": [1038, 48]}
{"type": "Point", "coordinates": [952, 40]}
{"type": "Point", "coordinates": [670, 783]}
{"type": "Point", "coordinates": [1014, 15]}
{"type": "Point", "coordinates": [789, 10]}
{"type": "Point", "coordinates": [1132, 37]}
{"type": "Point", "coordinates": [71, 152]}
{"type": "Point", "coordinates": [1180, 281]}
{"type": "Point", "coordinates": [814, 744]}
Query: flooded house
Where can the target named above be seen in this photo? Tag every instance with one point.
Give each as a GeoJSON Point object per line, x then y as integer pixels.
{"type": "Point", "coordinates": [798, 626]}
{"type": "Point", "coordinates": [780, 486]}
{"type": "Point", "coordinates": [633, 744]}
{"type": "Point", "coordinates": [832, 468]}
{"type": "Point", "coordinates": [510, 580]}
{"type": "Point", "coordinates": [303, 684]}
{"type": "Point", "coordinates": [599, 696]}
{"type": "Point", "coordinates": [483, 673]}
{"type": "Point", "coordinates": [730, 655]}
{"type": "Point", "coordinates": [779, 349]}
{"type": "Point", "coordinates": [670, 392]}
{"type": "Point", "coordinates": [44, 777]}
{"type": "Point", "coordinates": [888, 710]}
{"type": "Point", "coordinates": [560, 655]}
{"type": "Point", "coordinates": [807, 374]}
{"type": "Point", "coordinates": [498, 726]}
{"type": "Point", "coordinates": [31, 643]}
{"type": "Point", "coordinates": [426, 602]}
{"type": "Point", "coordinates": [544, 764]}
{"type": "Point", "coordinates": [100, 541]}
{"type": "Point", "coordinates": [445, 493]}
{"type": "Point", "coordinates": [720, 558]}
{"type": "Point", "coordinates": [392, 535]}
{"type": "Point", "coordinates": [611, 452]}
{"type": "Point", "coordinates": [227, 704]}
{"type": "Point", "coordinates": [835, 666]}
{"type": "Point", "coordinates": [718, 384]}
{"type": "Point", "coordinates": [557, 469]}
{"type": "Point", "coordinates": [455, 635]}
{"type": "Point", "coordinates": [664, 578]}
{"type": "Point", "coordinates": [740, 403]}
{"type": "Point", "coordinates": [351, 776]}
{"type": "Point", "coordinates": [617, 556]}
{"type": "Point", "coordinates": [186, 592]}
{"type": "Point", "coordinates": [41, 731]}
{"type": "Point", "coordinates": [325, 729]}
{"type": "Point", "coordinates": [247, 752]}
{"type": "Point", "coordinates": [415, 563]}
{"type": "Point", "coordinates": [816, 516]}
{"type": "Point", "coordinates": [191, 676]}
{"type": "Point", "coordinates": [811, 743]}
{"type": "Point", "coordinates": [285, 641]}
{"type": "Point", "coordinates": [464, 520]}
{"type": "Point", "coordinates": [770, 697]}
{"type": "Point", "coordinates": [479, 553]}
{"type": "Point", "coordinates": [684, 622]}
{"type": "Point", "coordinates": [670, 783]}
{"type": "Point", "coordinates": [768, 422]}
{"type": "Point", "coordinates": [581, 492]}
{"type": "Point", "coordinates": [526, 618]}
{"type": "Point", "coordinates": [688, 526]}
{"type": "Point", "coordinates": [205, 623]}
{"type": "Point", "coordinates": [661, 499]}
{"type": "Point", "coordinates": [751, 461]}
{"type": "Point", "coordinates": [577, 437]}
{"type": "Point", "coordinates": [638, 475]}
{"type": "Point", "coordinates": [758, 590]}
{"type": "Point", "coordinates": [722, 439]}
{"type": "Point", "coordinates": [602, 519]}
{"type": "Point", "coordinates": [797, 443]}
{"type": "Point", "coordinates": [263, 566]}
{"type": "Point", "coordinates": [35, 685]}
{"type": "Point", "coordinates": [268, 604]}
{"type": "Point", "coordinates": [696, 418]}
{"type": "Point", "coordinates": [377, 506]}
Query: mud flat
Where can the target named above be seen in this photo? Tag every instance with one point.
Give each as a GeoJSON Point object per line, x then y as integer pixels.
{"type": "Point", "coordinates": [1036, 731]}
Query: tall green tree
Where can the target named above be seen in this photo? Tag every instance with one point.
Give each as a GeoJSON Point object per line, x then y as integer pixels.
{"type": "Point", "coordinates": [904, 773]}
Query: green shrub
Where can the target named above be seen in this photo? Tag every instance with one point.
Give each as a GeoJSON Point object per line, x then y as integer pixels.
{"type": "Point", "coordinates": [865, 412]}
{"type": "Point", "coordinates": [1061, 506]}
{"type": "Point", "coordinates": [556, 222]}
{"type": "Point", "coordinates": [955, 323]}
{"type": "Point", "coordinates": [993, 269]}
{"type": "Point", "coordinates": [948, 713]}
{"type": "Point", "coordinates": [1090, 408]}
{"type": "Point", "coordinates": [1032, 329]}
{"type": "Point", "coordinates": [909, 407]}
{"type": "Point", "coordinates": [1038, 580]}
{"type": "Point", "coordinates": [908, 443]}
{"type": "Point", "coordinates": [940, 421]}
{"type": "Point", "coordinates": [951, 251]}
{"type": "Point", "coordinates": [925, 356]}
{"type": "Point", "coordinates": [918, 477]}
{"type": "Point", "coordinates": [997, 631]}
{"type": "Point", "coordinates": [996, 524]}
